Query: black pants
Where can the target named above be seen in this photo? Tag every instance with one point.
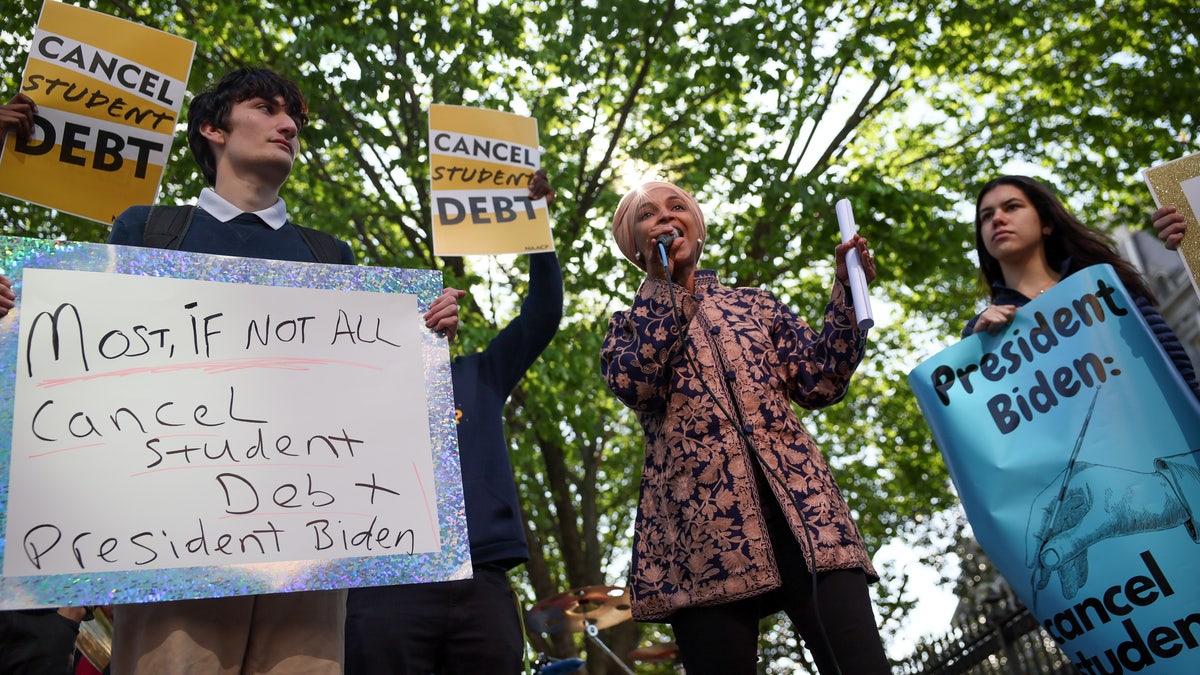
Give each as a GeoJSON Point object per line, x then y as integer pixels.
{"type": "Point", "coordinates": [37, 642]}
{"type": "Point", "coordinates": [452, 627]}
{"type": "Point", "coordinates": [723, 639]}
{"type": "Point", "coordinates": [837, 625]}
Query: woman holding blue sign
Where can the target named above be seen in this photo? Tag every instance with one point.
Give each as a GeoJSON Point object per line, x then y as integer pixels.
{"type": "Point", "coordinates": [739, 516]}
{"type": "Point", "coordinates": [1087, 469]}
{"type": "Point", "coordinates": [1027, 241]}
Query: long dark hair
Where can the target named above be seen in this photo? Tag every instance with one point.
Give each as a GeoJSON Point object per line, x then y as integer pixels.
{"type": "Point", "coordinates": [1068, 239]}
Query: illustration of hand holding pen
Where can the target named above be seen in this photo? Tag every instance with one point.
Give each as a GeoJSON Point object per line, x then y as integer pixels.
{"type": "Point", "coordinates": [1093, 502]}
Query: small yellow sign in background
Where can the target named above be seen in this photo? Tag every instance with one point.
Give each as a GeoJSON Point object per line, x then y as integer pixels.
{"type": "Point", "coordinates": [481, 164]}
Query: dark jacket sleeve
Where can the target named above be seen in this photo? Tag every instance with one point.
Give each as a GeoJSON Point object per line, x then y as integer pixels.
{"type": "Point", "coordinates": [514, 349]}
{"type": "Point", "coordinates": [819, 365]}
{"type": "Point", "coordinates": [970, 328]}
{"type": "Point", "coordinates": [129, 227]}
{"type": "Point", "coordinates": [640, 345]}
{"type": "Point", "coordinates": [1170, 343]}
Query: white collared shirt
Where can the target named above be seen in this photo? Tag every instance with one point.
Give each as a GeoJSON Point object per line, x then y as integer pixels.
{"type": "Point", "coordinates": [218, 207]}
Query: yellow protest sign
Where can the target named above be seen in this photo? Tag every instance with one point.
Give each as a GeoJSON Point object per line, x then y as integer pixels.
{"type": "Point", "coordinates": [109, 93]}
{"type": "Point", "coordinates": [481, 165]}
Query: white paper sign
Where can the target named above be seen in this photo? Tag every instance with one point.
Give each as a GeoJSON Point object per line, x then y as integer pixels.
{"type": "Point", "coordinates": [214, 424]}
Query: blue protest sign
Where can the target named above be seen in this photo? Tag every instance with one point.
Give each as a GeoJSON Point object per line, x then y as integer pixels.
{"type": "Point", "coordinates": [1073, 443]}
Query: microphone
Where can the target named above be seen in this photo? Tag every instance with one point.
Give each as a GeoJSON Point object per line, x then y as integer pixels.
{"type": "Point", "coordinates": [664, 242]}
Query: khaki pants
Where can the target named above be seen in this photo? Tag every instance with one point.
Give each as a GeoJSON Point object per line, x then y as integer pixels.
{"type": "Point", "coordinates": [282, 633]}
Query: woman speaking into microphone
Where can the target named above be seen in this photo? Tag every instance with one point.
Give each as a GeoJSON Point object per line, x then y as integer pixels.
{"type": "Point", "coordinates": [739, 516]}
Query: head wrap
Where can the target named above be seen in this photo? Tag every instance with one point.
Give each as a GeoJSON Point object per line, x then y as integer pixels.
{"type": "Point", "coordinates": [626, 216]}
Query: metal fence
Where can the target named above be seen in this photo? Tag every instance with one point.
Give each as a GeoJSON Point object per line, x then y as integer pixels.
{"type": "Point", "coordinates": [1000, 636]}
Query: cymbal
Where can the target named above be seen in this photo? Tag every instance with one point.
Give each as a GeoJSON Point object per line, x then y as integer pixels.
{"type": "Point", "coordinates": [574, 610]}
{"type": "Point", "coordinates": [666, 651]}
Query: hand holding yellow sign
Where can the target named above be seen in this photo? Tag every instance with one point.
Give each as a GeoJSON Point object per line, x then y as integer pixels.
{"type": "Point", "coordinates": [108, 93]}
{"type": "Point", "coordinates": [482, 162]}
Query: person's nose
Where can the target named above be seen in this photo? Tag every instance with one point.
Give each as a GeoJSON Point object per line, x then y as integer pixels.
{"type": "Point", "coordinates": [287, 126]}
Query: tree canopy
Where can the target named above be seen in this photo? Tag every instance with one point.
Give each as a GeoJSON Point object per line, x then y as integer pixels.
{"type": "Point", "coordinates": [767, 111]}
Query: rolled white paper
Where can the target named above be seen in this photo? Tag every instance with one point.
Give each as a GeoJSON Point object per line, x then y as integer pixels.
{"type": "Point", "coordinates": [858, 279]}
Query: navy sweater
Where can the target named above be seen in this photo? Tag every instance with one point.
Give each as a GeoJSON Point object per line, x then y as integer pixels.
{"type": "Point", "coordinates": [245, 236]}
{"type": "Point", "coordinates": [482, 384]}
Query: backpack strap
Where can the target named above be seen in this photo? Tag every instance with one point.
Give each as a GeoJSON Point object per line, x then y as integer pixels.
{"type": "Point", "coordinates": [324, 246]}
{"type": "Point", "coordinates": [166, 226]}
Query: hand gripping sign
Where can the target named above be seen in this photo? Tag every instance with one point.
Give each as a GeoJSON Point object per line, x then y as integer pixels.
{"type": "Point", "coordinates": [173, 435]}
{"type": "Point", "coordinates": [108, 93]}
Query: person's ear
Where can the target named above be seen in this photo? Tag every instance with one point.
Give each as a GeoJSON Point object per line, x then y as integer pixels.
{"type": "Point", "coordinates": [212, 132]}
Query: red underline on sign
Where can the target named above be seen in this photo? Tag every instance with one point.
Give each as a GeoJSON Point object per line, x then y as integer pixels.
{"type": "Point", "coordinates": [77, 447]}
{"type": "Point", "coordinates": [236, 465]}
{"type": "Point", "coordinates": [234, 516]}
{"type": "Point", "coordinates": [105, 444]}
{"type": "Point", "coordinates": [215, 368]}
{"type": "Point", "coordinates": [425, 499]}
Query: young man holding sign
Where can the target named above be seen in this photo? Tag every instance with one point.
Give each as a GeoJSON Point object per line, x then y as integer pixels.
{"type": "Point", "coordinates": [470, 625]}
{"type": "Point", "coordinates": [244, 134]}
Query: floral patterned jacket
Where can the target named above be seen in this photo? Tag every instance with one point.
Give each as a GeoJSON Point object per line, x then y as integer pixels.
{"type": "Point", "coordinates": [699, 537]}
